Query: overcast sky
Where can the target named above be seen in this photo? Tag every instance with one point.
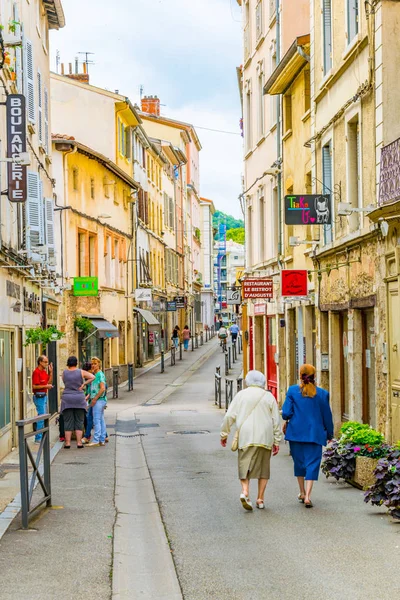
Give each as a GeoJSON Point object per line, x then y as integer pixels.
{"type": "Point", "coordinates": [185, 52]}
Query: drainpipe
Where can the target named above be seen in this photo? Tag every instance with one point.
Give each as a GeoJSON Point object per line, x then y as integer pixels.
{"type": "Point", "coordinates": [278, 131]}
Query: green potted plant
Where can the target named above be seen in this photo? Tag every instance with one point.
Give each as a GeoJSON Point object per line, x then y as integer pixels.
{"type": "Point", "coordinates": [37, 335]}
{"type": "Point", "coordinates": [84, 325]}
{"type": "Point", "coordinates": [386, 489]}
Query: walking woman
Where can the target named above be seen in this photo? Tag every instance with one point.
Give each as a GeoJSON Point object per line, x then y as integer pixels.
{"type": "Point", "coordinates": [186, 337]}
{"type": "Point", "coordinates": [98, 402]}
{"type": "Point", "coordinates": [255, 413]}
{"type": "Point", "coordinates": [175, 336]}
{"type": "Point", "coordinates": [73, 401]}
{"type": "Point", "coordinates": [309, 426]}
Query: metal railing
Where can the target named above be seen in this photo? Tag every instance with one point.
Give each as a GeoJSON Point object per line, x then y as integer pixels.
{"type": "Point", "coordinates": [130, 377]}
{"type": "Point", "coordinates": [28, 485]}
{"type": "Point", "coordinates": [115, 380]}
{"type": "Point", "coordinates": [228, 393]}
{"type": "Point", "coordinates": [173, 358]}
{"type": "Point", "coordinates": [218, 379]}
{"type": "Point", "coordinates": [162, 362]}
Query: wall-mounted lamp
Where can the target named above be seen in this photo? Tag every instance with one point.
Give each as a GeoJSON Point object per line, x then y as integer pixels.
{"type": "Point", "coordinates": [345, 209]}
{"type": "Point", "coordinates": [294, 241]}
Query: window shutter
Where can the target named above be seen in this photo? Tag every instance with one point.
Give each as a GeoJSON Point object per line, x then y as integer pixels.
{"type": "Point", "coordinates": [46, 120]}
{"type": "Point", "coordinates": [33, 212]}
{"type": "Point", "coordinates": [49, 221]}
{"type": "Point", "coordinates": [327, 181]}
{"type": "Point", "coordinates": [128, 147]}
{"type": "Point", "coordinates": [18, 50]}
{"type": "Point", "coordinates": [29, 83]}
{"type": "Point", "coordinates": [327, 23]}
{"type": "Point", "coordinates": [40, 107]}
{"type": "Point", "coordinates": [359, 165]}
{"type": "Point", "coordinates": [171, 213]}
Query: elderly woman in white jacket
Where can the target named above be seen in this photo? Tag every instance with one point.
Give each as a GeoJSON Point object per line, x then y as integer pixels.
{"type": "Point", "coordinates": [255, 413]}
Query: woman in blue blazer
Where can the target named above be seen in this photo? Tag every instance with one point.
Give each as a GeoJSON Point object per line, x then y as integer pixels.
{"type": "Point", "coordinates": [309, 426]}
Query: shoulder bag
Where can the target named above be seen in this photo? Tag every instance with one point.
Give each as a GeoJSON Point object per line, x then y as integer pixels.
{"type": "Point", "coordinates": [235, 441]}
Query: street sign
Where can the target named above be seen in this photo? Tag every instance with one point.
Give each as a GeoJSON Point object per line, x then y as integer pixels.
{"type": "Point", "coordinates": [16, 144]}
{"type": "Point", "coordinates": [259, 309]}
{"type": "Point", "coordinates": [171, 306]}
{"type": "Point", "coordinates": [258, 288]}
{"type": "Point", "coordinates": [294, 283]}
{"type": "Point", "coordinates": [233, 297]}
{"type": "Point", "coordinates": [143, 295]}
{"type": "Point", "coordinates": [180, 301]}
{"type": "Point", "coordinates": [308, 209]}
{"type": "Point", "coordinates": [86, 286]}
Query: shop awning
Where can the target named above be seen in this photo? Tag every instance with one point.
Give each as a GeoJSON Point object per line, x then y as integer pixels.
{"type": "Point", "coordinates": [147, 316]}
{"type": "Point", "coordinates": [105, 329]}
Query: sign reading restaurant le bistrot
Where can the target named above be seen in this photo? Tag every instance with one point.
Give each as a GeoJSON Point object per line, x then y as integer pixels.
{"type": "Point", "coordinates": [258, 288]}
{"type": "Point", "coordinates": [16, 144]}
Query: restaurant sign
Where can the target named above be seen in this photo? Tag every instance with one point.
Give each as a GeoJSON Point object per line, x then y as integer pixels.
{"type": "Point", "coordinates": [294, 283]}
{"type": "Point", "coordinates": [258, 288]}
{"type": "Point", "coordinates": [16, 144]}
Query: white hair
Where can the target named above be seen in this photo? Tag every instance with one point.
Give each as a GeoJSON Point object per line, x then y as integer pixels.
{"type": "Point", "coordinates": [255, 378]}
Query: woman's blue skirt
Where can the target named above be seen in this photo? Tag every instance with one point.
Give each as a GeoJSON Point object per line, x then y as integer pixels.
{"type": "Point", "coordinates": [307, 459]}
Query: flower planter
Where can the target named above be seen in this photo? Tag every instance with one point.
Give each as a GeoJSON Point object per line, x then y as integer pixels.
{"type": "Point", "coordinates": [363, 476]}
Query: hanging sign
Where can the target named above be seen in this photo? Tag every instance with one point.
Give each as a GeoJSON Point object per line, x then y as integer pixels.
{"type": "Point", "coordinates": [180, 301]}
{"type": "Point", "coordinates": [233, 297]}
{"type": "Point", "coordinates": [294, 283]}
{"type": "Point", "coordinates": [86, 286]}
{"type": "Point", "coordinates": [259, 309]}
{"type": "Point", "coordinates": [171, 306]}
{"type": "Point", "coordinates": [16, 144]}
{"type": "Point", "coordinates": [308, 209]}
{"type": "Point", "coordinates": [143, 295]}
{"type": "Point", "coordinates": [258, 288]}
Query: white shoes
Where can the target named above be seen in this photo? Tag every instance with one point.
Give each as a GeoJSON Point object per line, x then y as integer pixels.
{"type": "Point", "coordinates": [246, 502]}
{"type": "Point", "coordinates": [260, 505]}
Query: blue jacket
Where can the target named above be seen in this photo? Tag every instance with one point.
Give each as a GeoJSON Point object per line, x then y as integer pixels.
{"type": "Point", "coordinates": [310, 419]}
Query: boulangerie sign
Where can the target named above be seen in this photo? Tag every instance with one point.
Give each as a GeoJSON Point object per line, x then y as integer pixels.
{"type": "Point", "coordinates": [16, 144]}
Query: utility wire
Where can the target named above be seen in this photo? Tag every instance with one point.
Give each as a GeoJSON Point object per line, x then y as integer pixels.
{"type": "Point", "coordinates": [217, 130]}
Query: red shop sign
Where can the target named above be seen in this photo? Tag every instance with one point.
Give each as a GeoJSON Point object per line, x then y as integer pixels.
{"type": "Point", "coordinates": [294, 283]}
{"type": "Point", "coordinates": [258, 288]}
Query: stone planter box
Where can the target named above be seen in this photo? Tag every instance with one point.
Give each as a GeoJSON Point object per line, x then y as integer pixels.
{"type": "Point", "coordinates": [363, 476]}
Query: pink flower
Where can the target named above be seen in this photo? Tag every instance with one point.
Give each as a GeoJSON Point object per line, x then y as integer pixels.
{"type": "Point", "coordinates": [357, 449]}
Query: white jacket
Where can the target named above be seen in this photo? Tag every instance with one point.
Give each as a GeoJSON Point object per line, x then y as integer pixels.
{"type": "Point", "coordinates": [255, 413]}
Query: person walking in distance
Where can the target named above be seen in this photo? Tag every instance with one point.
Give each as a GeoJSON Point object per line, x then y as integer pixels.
{"type": "Point", "coordinates": [255, 413]}
{"type": "Point", "coordinates": [308, 427]}
{"type": "Point", "coordinates": [175, 336]}
{"type": "Point", "coordinates": [42, 382]}
{"type": "Point", "coordinates": [234, 329]}
{"type": "Point", "coordinates": [98, 403]}
{"type": "Point", "coordinates": [186, 337]}
{"type": "Point", "coordinates": [73, 401]}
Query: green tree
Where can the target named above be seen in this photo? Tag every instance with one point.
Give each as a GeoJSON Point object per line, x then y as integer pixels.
{"type": "Point", "coordinates": [236, 235]}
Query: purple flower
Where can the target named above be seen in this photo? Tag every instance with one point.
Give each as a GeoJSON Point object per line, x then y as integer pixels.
{"type": "Point", "coordinates": [357, 449]}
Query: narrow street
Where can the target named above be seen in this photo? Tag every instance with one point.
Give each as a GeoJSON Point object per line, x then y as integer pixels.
{"type": "Point", "coordinates": [340, 549]}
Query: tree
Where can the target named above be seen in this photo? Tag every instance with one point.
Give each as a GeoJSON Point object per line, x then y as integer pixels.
{"type": "Point", "coordinates": [236, 235]}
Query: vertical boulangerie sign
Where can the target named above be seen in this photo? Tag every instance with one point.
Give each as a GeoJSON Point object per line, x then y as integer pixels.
{"type": "Point", "coordinates": [16, 144]}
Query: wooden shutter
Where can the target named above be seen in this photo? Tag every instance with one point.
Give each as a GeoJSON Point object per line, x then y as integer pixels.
{"type": "Point", "coordinates": [29, 83]}
{"type": "Point", "coordinates": [40, 107]}
{"type": "Point", "coordinates": [18, 49]}
{"type": "Point", "coordinates": [128, 145]}
{"type": "Point", "coordinates": [33, 212]}
{"type": "Point", "coordinates": [327, 181]}
{"type": "Point", "coordinates": [46, 120]}
{"type": "Point", "coordinates": [146, 208]}
{"type": "Point", "coordinates": [171, 213]}
{"type": "Point", "coordinates": [49, 222]}
{"type": "Point", "coordinates": [327, 26]}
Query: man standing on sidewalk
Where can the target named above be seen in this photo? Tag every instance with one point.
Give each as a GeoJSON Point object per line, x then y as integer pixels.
{"type": "Point", "coordinates": [42, 381]}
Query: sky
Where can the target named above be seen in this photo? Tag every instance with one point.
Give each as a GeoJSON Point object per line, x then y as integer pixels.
{"type": "Point", "coordinates": [185, 52]}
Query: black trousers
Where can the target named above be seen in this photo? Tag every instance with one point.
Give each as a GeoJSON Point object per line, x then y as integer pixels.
{"type": "Point", "coordinates": [61, 427]}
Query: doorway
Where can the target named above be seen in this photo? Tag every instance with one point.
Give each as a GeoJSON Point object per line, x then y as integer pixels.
{"type": "Point", "coordinates": [344, 365]}
{"type": "Point", "coordinates": [260, 346]}
{"type": "Point", "coordinates": [272, 377]}
{"type": "Point", "coordinates": [368, 368]}
{"type": "Point", "coordinates": [394, 356]}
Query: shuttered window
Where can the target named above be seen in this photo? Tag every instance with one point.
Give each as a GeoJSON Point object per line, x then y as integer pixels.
{"type": "Point", "coordinates": [327, 187]}
{"type": "Point", "coordinates": [33, 212]}
{"type": "Point", "coordinates": [49, 221]}
{"type": "Point", "coordinates": [18, 49]}
{"type": "Point", "coordinates": [327, 29]}
{"type": "Point", "coordinates": [46, 119]}
{"type": "Point", "coordinates": [171, 213]}
{"type": "Point", "coordinates": [40, 107]}
{"type": "Point", "coordinates": [352, 19]}
{"type": "Point", "coordinates": [29, 83]}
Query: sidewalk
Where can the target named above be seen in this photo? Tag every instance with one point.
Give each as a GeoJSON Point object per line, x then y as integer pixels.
{"type": "Point", "coordinates": [68, 549]}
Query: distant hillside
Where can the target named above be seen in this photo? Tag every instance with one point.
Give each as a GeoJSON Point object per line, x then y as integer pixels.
{"type": "Point", "coordinates": [228, 220]}
{"type": "Point", "coordinates": [236, 235]}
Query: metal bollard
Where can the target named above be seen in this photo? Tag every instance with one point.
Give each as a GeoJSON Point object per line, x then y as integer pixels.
{"type": "Point", "coordinates": [196, 341]}
{"type": "Point", "coordinates": [192, 343]}
{"type": "Point", "coordinates": [239, 383]}
{"type": "Point", "coordinates": [115, 382]}
{"type": "Point", "coordinates": [162, 362]}
{"type": "Point", "coordinates": [27, 486]}
{"type": "Point", "coordinates": [226, 363]}
{"type": "Point", "coordinates": [180, 351]}
{"type": "Point", "coordinates": [229, 358]}
{"type": "Point", "coordinates": [228, 393]}
{"type": "Point", "coordinates": [130, 377]}
{"type": "Point", "coordinates": [173, 350]}
{"type": "Point", "coordinates": [217, 387]}
{"type": "Point", "coordinates": [201, 339]}
{"type": "Point", "coordinates": [234, 353]}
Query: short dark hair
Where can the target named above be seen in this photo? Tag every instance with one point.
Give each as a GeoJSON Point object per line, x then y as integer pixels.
{"type": "Point", "coordinates": [72, 361]}
{"type": "Point", "coordinates": [40, 359]}
{"type": "Point", "coordinates": [87, 366]}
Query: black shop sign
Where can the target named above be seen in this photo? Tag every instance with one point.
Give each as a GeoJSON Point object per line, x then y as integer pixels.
{"type": "Point", "coordinates": [16, 144]}
{"type": "Point", "coordinates": [307, 209]}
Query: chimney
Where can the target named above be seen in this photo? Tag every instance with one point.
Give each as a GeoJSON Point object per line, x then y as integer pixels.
{"type": "Point", "coordinates": [82, 77]}
{"type": "Point", "coordinates": [151, 105]}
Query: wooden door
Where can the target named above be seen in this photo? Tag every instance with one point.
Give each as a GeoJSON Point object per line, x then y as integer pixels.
{"type": "Point", "coordinates": [251, 343]}
{"type": "Point", "coordinates": [270, 336]}
{"type": "Point", "coordinates": [394, 357]}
